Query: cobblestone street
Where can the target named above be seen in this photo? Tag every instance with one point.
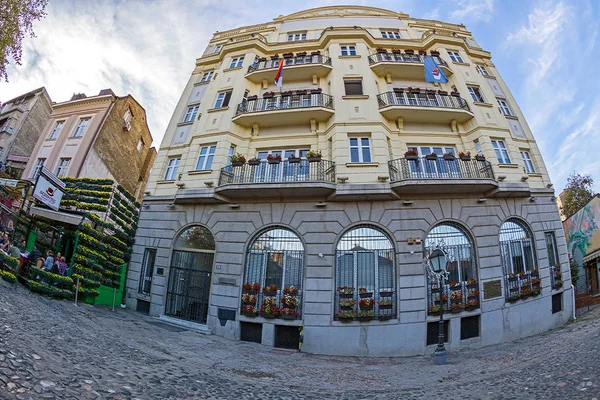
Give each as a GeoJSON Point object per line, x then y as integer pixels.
{"type": "Point", "coordinates": [54, 350]}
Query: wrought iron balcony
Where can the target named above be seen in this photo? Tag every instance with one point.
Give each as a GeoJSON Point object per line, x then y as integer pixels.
{"type": "Point", "coordinates": [297, 178]}
{"type": "Point", "coordinates": [403, 58]}
{"type": "Point", "coordinates": [284, 109]}
{"type": "Point", "coordinates": [296, 68]}
{"type": "Point", "coordinates": [441, 175]}
{"type": "Point", "coordinates": [403, 66]}
{"type": "Point", "coordinates": [424, 106]}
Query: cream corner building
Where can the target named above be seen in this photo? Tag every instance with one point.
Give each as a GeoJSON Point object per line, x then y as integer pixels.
{"type": "Point", "coordinates": [389, 188]}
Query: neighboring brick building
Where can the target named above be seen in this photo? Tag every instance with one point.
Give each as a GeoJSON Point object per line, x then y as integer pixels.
{"type": "Point", "coordinates": [22, 120]}
{"type": "Point", "coordinates": [103, 136]}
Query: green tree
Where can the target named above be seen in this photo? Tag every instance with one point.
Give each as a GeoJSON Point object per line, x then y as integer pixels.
{"type": "Point", "coordinates": [574, 272]}
{"type": "Point", "coordinates": [16, 20]}
{"type": "Point", "coordinates": [577, 193]}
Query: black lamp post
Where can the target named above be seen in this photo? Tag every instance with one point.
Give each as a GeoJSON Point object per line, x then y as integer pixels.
{"type": "Point", "coordinates": [437, 262]}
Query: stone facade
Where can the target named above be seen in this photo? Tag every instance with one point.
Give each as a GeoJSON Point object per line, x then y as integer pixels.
{"type": "Point", "coordinates": [367, 114]}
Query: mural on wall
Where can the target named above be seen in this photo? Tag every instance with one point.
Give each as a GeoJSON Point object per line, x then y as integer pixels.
{"type": "Point", "coordinates": [581, 231]}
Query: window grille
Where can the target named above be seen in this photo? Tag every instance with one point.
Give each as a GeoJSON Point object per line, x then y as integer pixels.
{"type": "Point", "coordinates": [469, 327]}
{"type": "Point", "coordinates": [517, 252]}
{"type": "Point", "coordinates": [250, 332]}
{"type": "Point", "coordinates": [276, 257]}
{"type": "Point", "coordinates": [365, 262]}
{"type": "Point", "coordinates": [287, 337]}
{"type": "Point", "coordinates": [556, 303]}
{"type": "Point", "coordinates": [433, 332]}
{"type": "Point", "coordinates": [461, 290]}
{"type": "Point", "coordinates": [145, 283]}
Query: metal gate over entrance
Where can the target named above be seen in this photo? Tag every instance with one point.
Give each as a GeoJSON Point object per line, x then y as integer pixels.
{"type": "Point", "coordinates": [188, 290]}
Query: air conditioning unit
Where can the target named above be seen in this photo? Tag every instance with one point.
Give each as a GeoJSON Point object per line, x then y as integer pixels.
{"type": "Point", "coordinates": [127, 125]}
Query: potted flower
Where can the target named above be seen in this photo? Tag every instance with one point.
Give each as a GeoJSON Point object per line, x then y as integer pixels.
{"type": "Point", "coordinates": [536, 282]}
{"type": "Point", "coordinates": [275, 57]}
{"type": "Point", "coordinates": [269, 311]}
{"type": "Point", "coordinates": [270, 290]}
{"type": "Point", "coordinates": [414, 90]}
{"type": "Point", "coordinates": [514, 297]}
{"type": "Point", "coordinates": [455, 285]}
{"type": "Point", "coordinates": [237, 160]}
{"type": "Point", "coordinates": [249, 311]}
{"type": "Point", "coordinates": [301, 92]}
{"type": "Point", "coordinates": [291, 290]}
{"type": "Point", "coordinates": [558, 284]}
{"type": "Point", "coordinates": [536, 291]}
{"type": "Point", "coordinates": [315, 91]}
{"type": "Point", "coordinates": [251, 288]}
{"type": "Point", "coordinates": [398, 90]}
{"type": "Point", "coordinates": [456, 308]}
{"type": "Point", "coordinates": [364, 316]}
{"type": "Point", "coordinates": [287, 93]}
{"type": "Point", "coordinates": [455, 94]}
{"type": "Point", "coordinates": [480, 157]}
{"type": "Point", "coordinates": [513, 277]}
{"type": "Point", "coordinates": [288, 55]}
{"type": "Point", "coordinates": [274, 158]}
{"type": "Point", "coordinates": [526, 292]}
{"type": "Point", "coordinates": [430, 91]}
{"type": "Point", "coordinates": [301, 54]}
{"type": "Point", "coordinates": [289, 314]}
{"type": "Point", "coordinates": [473, 294]}
{"type": "Point", "coordinates": [315, 53]}
{"type": "Point", "coordinates": [534, 273]}
{"type": "Point", "coordinates": [289, 301]}
{"type": "Point", "coordinates": [396, 51]}
{"type": "Point", "coordinates": [366, 303]}
{"type": "Point", "coordinates": [409, 52]}
{"type": "Point", "coordinates": [434, 310]}
{"type": "Point", "coordinates": [254, 161]}
{"type": "Point", "coordinates": [434, 53]}
{"type": "Point", "coordinates": [314, 156]}
{"type": "Point", "coordinates": [248, 299]}
{"type": "Point", "coordinates": [252, 98]}
{"type": "Point", "coordinates": [411, 154]}
{"type": "Point", "coordinates": [293, 159]}
{"type": "Point", "coordinates": [362, 292]}
{"type": "Point", "coordinates": [346, 292]}
{"type": "Point", "coordinates": [431, 157]}
{"type": "Point", "coordinates": [471, 283]}
{"type": "Point", "coordinates": [385, 304]}
{"type": "Point", "coordinates": [347, 304]}
{"type": "Point", "coordinates": [422, 53]}
{"type": "Point", "coordinates": [449, 156]}
{"type": "Point", "coordinates": [465, 156]}
{"type": "Point", "coordinates": [472, 305]}
{"type": "Point", "coordinates": [344, 316]}
{"type": "Point", "coordinates": [381, 50]}
{"type": "Point", "coordinates": [444, 298]}
{"type": "Point", "coordinates": [456, 297]}
{"type": "Point", "coordinates": [386, 293]}
{"type": "Point", "coordinates": [442, 93]}
{"type": "Point", "coordinates": [268, 95]}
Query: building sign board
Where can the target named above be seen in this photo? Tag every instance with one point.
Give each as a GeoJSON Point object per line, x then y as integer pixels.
{"type": "Point", "coordinates": [9, 182]}
{"type": "Point", "coordinates": [48, 189]}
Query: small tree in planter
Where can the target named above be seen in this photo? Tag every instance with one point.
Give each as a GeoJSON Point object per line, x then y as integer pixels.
{"type": "Point", "coordinates": [465, 156]}
{"type": "Point", "coordinates": [237, 160]}
{"type": "Point", "coordinates": [411, 154]}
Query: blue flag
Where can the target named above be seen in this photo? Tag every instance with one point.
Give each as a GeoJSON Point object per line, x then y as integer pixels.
{"type": "Point", "coordinates": [433, 73]}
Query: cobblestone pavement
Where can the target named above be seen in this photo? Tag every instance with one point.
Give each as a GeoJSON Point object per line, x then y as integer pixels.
{"type": "Point", "coordinates": [53, 350]}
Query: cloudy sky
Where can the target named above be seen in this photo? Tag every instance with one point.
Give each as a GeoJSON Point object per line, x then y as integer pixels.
{"type": "Point", "coordinates": [545, 50]}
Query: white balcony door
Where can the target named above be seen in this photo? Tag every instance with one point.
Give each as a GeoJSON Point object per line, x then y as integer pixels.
{"type": "Point", "coordinates": [438, 168]}
{"type": "Point", "coordinates": [282, 172]}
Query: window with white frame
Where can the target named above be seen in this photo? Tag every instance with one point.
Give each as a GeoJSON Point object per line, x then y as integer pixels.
{"type": "Point", "coordinates": [527, 162]}
{"type": "Point", "coordinates": [127, 116]}
{"type": "Point", "coordinates": [294, 37]}
{"type": "Point", "coordinates": [455, 57]}
{"type": "Point", "coordinates": [217, 48]}
{"type": "Point", "coordinates": [205, 158]}
{"type": "Point", "coordinates": [236, 62]}
{"type": "Point", "coordinates": [38, 167]}
{"type": "Point", "coordinates": [360, 149]}
{"type": "Point", "coordinates": [348, 50]}
{"type": "Point", "coordinates": [172, 168]}
{"type": "Point", "coordinates": [482, 70]}
{"type": "Point", "coordinates": [501, 151]}
{"type": "Point", "coordinates": [505, 108]}
{"type": "Point", "coordinates": [476, 94]}
{"type": "Point", "coordinates": [191, 113]}
{"type": "Point", "coordinates": [81, 127]}
{"type": "Point", "coordinates": [223, 99]}
{"type": "Point", "coordinates": [56, 130]}
{"type": "Point", "coordinates": [207, 76]}
{"type": "Point", "coordinates": [390, 34]}
{"type": "Point", "coordinates": [231, 152]}
{"type": "Point", "coordinates": [63, 166]}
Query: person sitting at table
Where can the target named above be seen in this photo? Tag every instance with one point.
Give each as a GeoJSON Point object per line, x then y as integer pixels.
{"type": "Point", "coordinates": [49, 262]}
{"type": "Point", "coordinates": [62, 266]}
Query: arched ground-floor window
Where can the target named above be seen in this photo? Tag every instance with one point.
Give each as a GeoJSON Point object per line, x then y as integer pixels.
{"type": "Point", "coordinates": [461, 290]}
{"type": "Point", "coordinates": [273, 275]}
{"type": "Point", "coordinates": [521, 275]}
{"type": "Point", "coordinates": [365, 275]}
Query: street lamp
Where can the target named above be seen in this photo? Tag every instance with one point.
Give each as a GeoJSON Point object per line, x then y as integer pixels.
{"type": "Point", "coordinates": [436, 264]}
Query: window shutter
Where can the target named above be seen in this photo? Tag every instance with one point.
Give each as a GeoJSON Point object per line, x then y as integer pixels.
{"type": "Point", "coordinates": [353, 88]}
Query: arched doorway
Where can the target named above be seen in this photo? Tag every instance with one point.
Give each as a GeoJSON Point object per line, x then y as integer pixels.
{"type": "Point", "coordinates": [190, 273]}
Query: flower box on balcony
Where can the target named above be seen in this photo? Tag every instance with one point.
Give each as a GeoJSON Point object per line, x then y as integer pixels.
{"type": "Point", "coordinates": [411, 155]}
{"type": "Point", "coordinates": [275, 57]}
{"type": "Point", "coordinates": [442, 93]}
{"type": "Point", "coordinates": [455, 94]}
{"type": "Point", "coordinates": [313, 159]}
{"type": "Point", "coordinates": [386, 317]}
{"type": "Point", "coordinates": [382, 51]}
{"type": "Point", "coordinates": [409, 52]}
{"type": "Point", "coordinates": [449, 156]}
{"type": "Point", "coordinates": [316, 91]}
{"type": "Point", "coordinates": [288, 55]}
{"type": "Point", "coordinates": [261, 59]}
{"type": "Point", "coordinates": [422, 52]}
{"type": "Point", "coordinates": [300, 92]}
{"type": "Point", "coordinates": [254, 161]}
{"type": "Point", "coordinates": [294, 160]}
{"type": "Point", "coordinates": [431, 157]}
{"type": "Point", "coordinates": [301, 54]}
{"type": "Point", "coordinates": [252, 98]}
{"type": "Point", "coordinates": [435, 53]}
{"type": "Point", "coordinates": [386, 293]}
{"type": "Point", "coordinates": [286, 94]}
{"type": "Point", "coordinates": [268, 95]}
{"type": "Point", "coordinates": [430, 91]}
{"type": "Point", "coordinates": [274, 159]}
{"type": "Point", "coordinates": [315, 53]}
{"type": "Point", "coordinates": [414, 90]}
{"type": "Point", "coordinates": [480, 158]}
{"type": "Point", "coordinates": [398, 90]}
{"type": "Point", "coordinates": [465, 156]}
{"type": "Point", "coordinates": [396, 51]}
{"type": "Point", "coordinates": [237, 164]}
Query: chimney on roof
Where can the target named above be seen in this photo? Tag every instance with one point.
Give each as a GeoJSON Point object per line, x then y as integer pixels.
{"type": "Point", "coordinates": [104, 92]}
{"type": "Point", "coordinates": [78, 96]}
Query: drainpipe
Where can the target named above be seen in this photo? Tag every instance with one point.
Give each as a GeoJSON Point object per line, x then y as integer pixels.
{"type": "Point", "coordinates": [574, 306]}
{"type": "Point", "coordinates": [87, 151]}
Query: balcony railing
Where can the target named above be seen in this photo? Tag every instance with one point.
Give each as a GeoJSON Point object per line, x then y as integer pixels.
{"type": "Point", "coordinates": [283, 102]}
{"type": "Point", "coordinates": [283, 172]}
{"type": "Point", "coordinates": [421, 100]}
{"type": "Point", "coordinates": [440, 168]}
{"type": "Point", "coordinates": [269, 64]}
{"type": "Point", "coordinates": [403, 58]}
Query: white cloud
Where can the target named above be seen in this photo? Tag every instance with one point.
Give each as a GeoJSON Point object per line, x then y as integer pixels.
{"type": "Point", "coordinates": [472, 10]}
